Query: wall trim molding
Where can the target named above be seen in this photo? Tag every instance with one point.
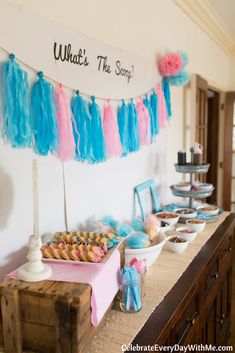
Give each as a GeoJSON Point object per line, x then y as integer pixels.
{"type": "Point", "coordinates": [204, 15]}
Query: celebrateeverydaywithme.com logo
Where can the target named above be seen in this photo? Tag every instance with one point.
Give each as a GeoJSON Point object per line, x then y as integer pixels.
{"type": "Point", "coordinates": [176, 348]}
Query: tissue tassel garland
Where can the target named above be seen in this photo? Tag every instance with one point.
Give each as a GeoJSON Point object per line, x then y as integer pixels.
{"type": "Point", "coordinates": [167, 95]}
{"type": "Point", "coordinates": [123, 127]}
{"type": "Point", "coordinates": [82, 123]}
{"type": "Point", "coordinates": [154, 106]}
{"type": "Point", "coordinates": [162, 113]}
{"type": "Point", "coordinates": [144, 123]}
{"type": "Point", "coordinates": [111, 133]}
{"type": "Point", "coordinates": [66, 148]}
{"type": "Point", "coordinates": [133, 128]}
{"type": "Point", "coordinates": [98, 142]}
{"type": "Point", "coordinates": [45, 126]}
{"type": "Point", "coordinates": [152, 122]}
{"type": "Point", "coordinates": [16, 128]}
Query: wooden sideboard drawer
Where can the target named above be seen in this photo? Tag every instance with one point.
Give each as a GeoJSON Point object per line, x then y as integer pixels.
{"type": "Point", "coordinates": [211, 276]}
{"type": "Point", "coordinates": [225, 253]}
{"type": "Point", "coordinates": [188, 320]}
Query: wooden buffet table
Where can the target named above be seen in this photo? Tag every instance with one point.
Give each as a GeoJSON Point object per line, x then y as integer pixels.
{"type": "Point", "coordinates": [188, 300]}
{"type": "Point", "coordinates": [188, 297]}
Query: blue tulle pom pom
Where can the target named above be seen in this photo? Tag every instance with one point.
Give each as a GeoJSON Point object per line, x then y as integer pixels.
{"type": "Point", "coordinates": [110, 221]}
{"type": "Point", "coordinates": [185, 58]}
{"type": "Point", "coordinates": [82, 129]}
{"type": "Point", "coordinates": [138, 224]}
{"type": "Point", "coordinates": [44, 119]}
{"type": "Point", "coordinates": [16, 126]}
{"type": "Point", "coordinates": [124, 229]}
{"type": "Point", "coordinates": [179, 80]}
{"type": "Point", "coordinates": [98, 141]}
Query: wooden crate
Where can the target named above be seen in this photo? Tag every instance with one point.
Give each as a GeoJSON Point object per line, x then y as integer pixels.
{"type": "Point", "coordinates": [46, 317]}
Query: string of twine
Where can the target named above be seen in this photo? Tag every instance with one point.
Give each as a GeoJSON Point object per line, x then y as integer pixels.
{"type": "Point", "coordinates": [71, 88]}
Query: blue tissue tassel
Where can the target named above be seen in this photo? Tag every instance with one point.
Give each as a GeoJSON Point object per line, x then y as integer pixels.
{"type": "Point", "coordinates": [98, 141]}
{"type": "Point", "coordinates": [44, 119]}
{"type": "Point", "coordinates": [16, 128]}
{"type": "Point", "coordinates": [167, 95]}
{"type": "Point", "coordinates": [152, 121]}
{"type": "Point", "coordinates": [123, 127]}
{"type": "Point", "coordinates": [133, 128]}
{"type": "Point", "coordinates": [82, 130]}
{"type": "Point", "coordinates": [154, 106]}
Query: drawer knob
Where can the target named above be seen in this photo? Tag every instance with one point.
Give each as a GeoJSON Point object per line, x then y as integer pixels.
{"type": "Point", "coordinates": [191, 321]}
{"type": "Point", "coordinates": [229, 249]}
{"type": "Point", "coordinates": [215, 275]}
{"type": "Point", "coordinates": [220, 320]}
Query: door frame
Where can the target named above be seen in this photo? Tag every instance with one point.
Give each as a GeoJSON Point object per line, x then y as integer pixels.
{"type": "Point", "coordinates": [228, 129]}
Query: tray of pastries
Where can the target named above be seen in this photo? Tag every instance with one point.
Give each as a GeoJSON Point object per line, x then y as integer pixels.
{"type": "Point", "coordinates": [80, 247]}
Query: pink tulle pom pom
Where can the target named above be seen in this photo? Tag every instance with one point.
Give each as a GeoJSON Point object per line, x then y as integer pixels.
{"type": "Point", "coordinates": [111, 133]}
{"type": "Point", "coordinates": [64, 117]}
{"type": "Point", "coordinates": [144, 123]}
{"type": "Point", "coordinates": [170, 64]}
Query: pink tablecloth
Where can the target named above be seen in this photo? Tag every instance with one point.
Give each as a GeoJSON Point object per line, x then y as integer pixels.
{"type": "Point", "coordinates": [103, 279]}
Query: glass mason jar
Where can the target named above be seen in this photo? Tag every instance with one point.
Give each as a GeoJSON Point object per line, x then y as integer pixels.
{"type": "Point", "coordinates": [131, 294]}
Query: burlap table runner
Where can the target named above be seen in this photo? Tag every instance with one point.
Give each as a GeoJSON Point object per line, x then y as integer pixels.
{"type": "Point", "coordinates": [120, 328]}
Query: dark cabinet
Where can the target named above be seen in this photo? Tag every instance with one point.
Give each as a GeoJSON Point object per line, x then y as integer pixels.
{"type": "Point", "coordinates": [197, 309]}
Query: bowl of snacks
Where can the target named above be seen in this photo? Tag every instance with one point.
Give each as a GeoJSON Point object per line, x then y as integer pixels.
{"type": "Point", "coordinates": [186, 233]}
{"type": "Point", "coordinates": [186, 212]}
{"type": "Point", "coordinates": [184, 186]}
{"type": "Point", "coordinates": [197, 225]}
{"type": "Point", "coordinates": [209, 210]}
{"type": "Point", "coordinates": [164, 227]}
{"type": "Point", "coordinates": [170, 217]}
{"type": "Point", "coordinates": [150, 253]}
{"type": "Point", "coordinates": [203, 186]}
{"type": "Point", "coordinates": [177, 244]}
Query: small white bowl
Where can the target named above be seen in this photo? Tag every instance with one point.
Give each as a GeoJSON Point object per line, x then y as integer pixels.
{"type": "Point", "coordinates": [186, 215]}
{"type": "Point", "coordinates": [198, 227]}
{"type": "Point", "coordinates": [182, 187]}
{"type": "Point", "coordinates": [212, 212]}
{"type": "Point", "coordinates": [203, 186]}
{"type": "Point", "coordinates": [164, 229]}
{"type": "Point", "coordinates": [150, 254]}
{"type": "Point", "coordinates": [171, 221]}
{"type": "Point", "coordinates": [187, 236]}
{"type": "Point", "coordinates": [177, 247]}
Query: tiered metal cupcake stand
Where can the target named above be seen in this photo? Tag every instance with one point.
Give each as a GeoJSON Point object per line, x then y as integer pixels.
{"type": "Point", "coordinates": [194, 194]}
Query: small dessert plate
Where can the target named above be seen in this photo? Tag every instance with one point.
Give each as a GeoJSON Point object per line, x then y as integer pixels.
{"type": "Point", "coordinates": [203, 186]}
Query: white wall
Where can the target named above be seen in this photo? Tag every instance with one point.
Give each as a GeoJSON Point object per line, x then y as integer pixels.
{"type": "Point", "coordinates": [145, 28]}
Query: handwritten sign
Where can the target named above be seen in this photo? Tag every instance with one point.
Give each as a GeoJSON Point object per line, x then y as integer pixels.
{"type": "Point", "coordinates": [72, 58]}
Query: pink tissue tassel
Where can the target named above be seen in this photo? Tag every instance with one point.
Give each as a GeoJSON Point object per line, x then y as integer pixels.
{"type": "Point", "coordinates": [162, 112]}
{"type": "Point", "coordinates": [66, 148]}
{"type": "Point", "coordinates": [111, 132]}
{"type": "Point", "coordinates": [144, 123]}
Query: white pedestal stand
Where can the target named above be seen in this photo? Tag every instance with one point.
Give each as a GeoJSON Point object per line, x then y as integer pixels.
{"type": "Point", "coordinates": [34, 270]}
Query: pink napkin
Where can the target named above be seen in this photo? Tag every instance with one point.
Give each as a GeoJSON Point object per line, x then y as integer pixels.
{"type": "Point", "coordinates": [103, 279]}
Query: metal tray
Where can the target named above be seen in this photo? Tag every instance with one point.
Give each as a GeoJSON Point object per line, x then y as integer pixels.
{"type": "Point", "coordinates": [197, 194]}
{"type": "Point", "coordinates": [105, 259]}
{"type": "Point", "coordinates": [193, 169]}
